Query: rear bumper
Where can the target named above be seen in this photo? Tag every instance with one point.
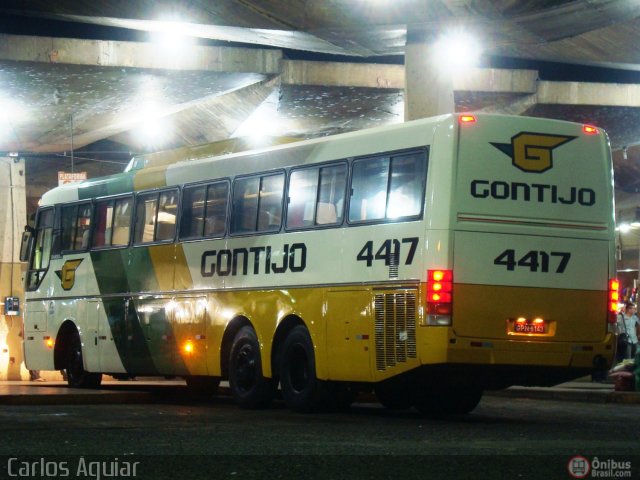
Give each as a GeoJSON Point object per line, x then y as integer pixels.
{"type": "Point", "coordinates": [501, 363]}
{"type": "Point", "coordinates": [519, 352]}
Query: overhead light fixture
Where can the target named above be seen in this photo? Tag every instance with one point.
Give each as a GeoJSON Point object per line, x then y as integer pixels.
{"type": "Point", "coordinates": [154, 129]}
{"type": "Point", "coordinates": [456, 50]}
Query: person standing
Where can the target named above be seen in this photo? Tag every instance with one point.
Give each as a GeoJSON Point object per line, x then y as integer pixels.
{"type": "Point", "coordinates": [34, 376]}
{"type": "Point", "coordinates": [627, 324]}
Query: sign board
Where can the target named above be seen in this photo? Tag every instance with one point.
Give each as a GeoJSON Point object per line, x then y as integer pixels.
{"type": "Point", "coordinates": [11, 306]}
{"type": "Point", "coordinates": [68, 177]}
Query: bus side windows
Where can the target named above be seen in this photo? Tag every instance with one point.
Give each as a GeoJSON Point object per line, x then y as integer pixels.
{"type": "Point", "coordinates": [316, 196]}
{"type": "Point", "coordinates": [406, 187]}
{"type": "Point", "coordinates": [192, 219]}
{"type": "Point", "coordinates": [369, 189]}
{"type": "Point", "coordinates": [69, 214]}
{"type": "Point", "coordinates": [204, 210]}
{"type": "Point", "coordinates": [216, 213]}
{"type": "Point", "coordinates": [333, 182]}
{"type": "Point", "coordinates": [146, 207]}
{"type": "Point", "coordinates": [112, 223]}
{"type": "Point", "coordinates": [388, 188]}
{"type": "Point", "coordinates": [257, 204]}
{"type": "Point", "coordinates": [103, 226]}
{"type": "Point", "coordinates": [122, 222]}
{"type": "Point", "coordinates": [167, 213]}
{"type": "Point", "coordinates": [76, 227]}
{"type": "Point", "coordinates": [155, 217]}
{"type": "Point", "coordinates": [270, 203]}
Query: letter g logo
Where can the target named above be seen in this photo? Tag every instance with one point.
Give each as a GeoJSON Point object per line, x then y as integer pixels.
{"type": "Point", "coordinates": [68, 273]}
{"type": "Point", "coordinates": [532, 152]}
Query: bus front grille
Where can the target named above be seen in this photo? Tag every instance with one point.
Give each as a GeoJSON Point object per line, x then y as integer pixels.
{"type": "Point", "coordinates": [395, 322]}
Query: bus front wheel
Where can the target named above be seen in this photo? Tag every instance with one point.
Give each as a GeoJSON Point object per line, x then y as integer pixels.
{"type": "Point", "coordinates": [77, 376]}
{"type": "Point", "coordinates": [248, 386]}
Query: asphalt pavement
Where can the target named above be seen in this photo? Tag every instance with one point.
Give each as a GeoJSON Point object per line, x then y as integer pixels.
{"type": "Point", "coordinates": [152, 390]}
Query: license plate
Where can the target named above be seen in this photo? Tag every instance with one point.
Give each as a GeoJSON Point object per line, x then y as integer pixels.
{"type": "Point", "coordinates": [530, 328]}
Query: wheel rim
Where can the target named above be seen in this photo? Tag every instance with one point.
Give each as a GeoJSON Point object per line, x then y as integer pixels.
{"type": "Point", "coordinates": [246, 367]}
{"type": "Point", "coordinates": [299, 368]}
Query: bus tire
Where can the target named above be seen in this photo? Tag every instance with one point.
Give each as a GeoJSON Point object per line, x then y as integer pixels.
{"type": "Point", "coordinates": [248, 386]}
{"type": "Point", "coordinates": [448, 401]}
{"type": "Point", "coordinates": [202, 385]}
{"type": "Point", "coordinates": [301, 389]}
{"type": "Point", "coordinates": [77, 376]}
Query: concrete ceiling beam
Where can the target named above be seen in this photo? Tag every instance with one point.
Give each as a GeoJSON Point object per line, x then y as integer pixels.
{"type": "Point", "coordinates": [373, 75]}
{"type": "Point", "coordinates": [137, 55]}
{"type": "Point", "coordinates": [583, 93]}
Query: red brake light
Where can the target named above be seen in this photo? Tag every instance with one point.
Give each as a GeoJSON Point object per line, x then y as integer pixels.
{"type": "Point", "coordinates": [614, 298]}
{"type": "Point", "coordinates": [467, 119]}
{"type": "Point", "coordinates": [589, 129]}
{"type": "Point", "coordinates": [439, 291]}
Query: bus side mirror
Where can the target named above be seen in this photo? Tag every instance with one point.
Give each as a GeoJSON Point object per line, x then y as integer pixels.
{"type": "Point", "coordinates": [26, 247]}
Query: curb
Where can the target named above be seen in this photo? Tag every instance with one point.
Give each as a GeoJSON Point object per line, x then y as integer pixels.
{"type": "Point", "coordinates": [568, 395]}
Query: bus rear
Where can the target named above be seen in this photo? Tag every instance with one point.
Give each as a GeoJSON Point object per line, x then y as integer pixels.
{"type": "Point", "coordinates": [533, 250]}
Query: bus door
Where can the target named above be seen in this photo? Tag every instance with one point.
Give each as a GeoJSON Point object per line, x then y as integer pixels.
{"type": "Point", "coordinates": [91, 335]}
{"type": "Point", "coordinates": [40, 251]}
{"type": "Point", "coordinates": [154, 315]}
{"type": "Point", "coordinates": [125, 337]}
{"type": "Point", "coordinates": [133, 343]}
{"type": "Point", "coordinates": [109, 358]}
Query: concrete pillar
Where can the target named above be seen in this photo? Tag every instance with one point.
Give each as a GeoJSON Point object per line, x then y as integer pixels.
{"type": "Point", "coordinates": [12, 220]}
{"type": "Point", "coordinates": [428, 90]}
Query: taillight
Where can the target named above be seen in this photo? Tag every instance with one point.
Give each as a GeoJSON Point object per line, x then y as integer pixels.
{"type": "Point", "coordinates": [467, 118]}
{"type": "Point", "coordinates": [439, 297]}
{"type": "Point", "coordinates": [614, 298]}
{"type": "Point", "coordinates": [589, 129]}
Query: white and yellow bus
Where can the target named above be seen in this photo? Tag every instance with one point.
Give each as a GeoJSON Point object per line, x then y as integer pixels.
{"type": "Point", "coordinates": [427, 261]}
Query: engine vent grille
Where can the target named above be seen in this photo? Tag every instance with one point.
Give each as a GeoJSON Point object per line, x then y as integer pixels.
{"type": "Point", "coordinates": [395, 321]}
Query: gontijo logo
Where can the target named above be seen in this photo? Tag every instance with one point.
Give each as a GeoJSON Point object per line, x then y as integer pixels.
{"type": "Point", "coordinates": [68, 273]}
{"type": "Point", "coordinates": [532, 152]}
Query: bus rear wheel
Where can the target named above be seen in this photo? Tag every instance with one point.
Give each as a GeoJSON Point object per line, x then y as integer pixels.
{"type": "Point", "coordinates": [77, 376]}
{"type": "Point", "coordinates": [248, 386]}
{"type": "Point", "coordinates": [448, 400]}
{"type": "Point", "coordinates": [301, 389]}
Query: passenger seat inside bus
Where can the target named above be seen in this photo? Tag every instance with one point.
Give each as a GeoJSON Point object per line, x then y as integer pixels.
{"type": "Point", "coordinates": [326, 213]}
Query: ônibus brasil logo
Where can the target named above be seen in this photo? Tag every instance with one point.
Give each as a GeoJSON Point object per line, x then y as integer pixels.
{"type": "Point", "coordinates": [579, 467]}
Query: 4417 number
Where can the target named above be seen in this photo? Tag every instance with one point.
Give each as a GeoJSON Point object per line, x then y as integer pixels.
{"type": "Point", "coordinates": [389, 251]}
{"type": "Point", "coordinates": [534, 260]}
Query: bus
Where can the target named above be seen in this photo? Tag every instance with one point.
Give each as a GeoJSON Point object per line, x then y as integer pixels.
{"type": "Point", "coordinates": [426, 261]}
